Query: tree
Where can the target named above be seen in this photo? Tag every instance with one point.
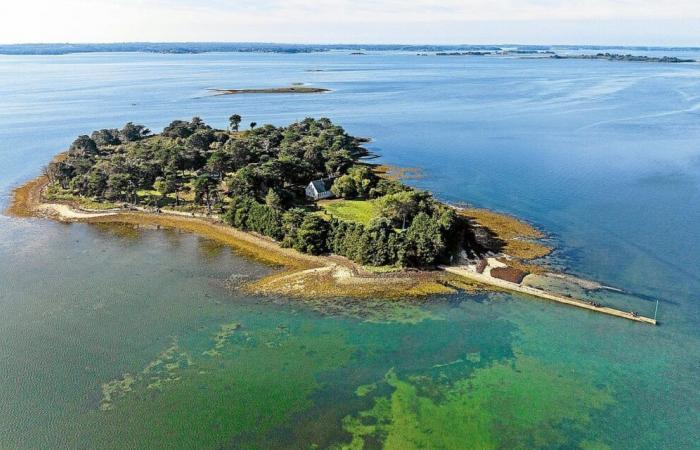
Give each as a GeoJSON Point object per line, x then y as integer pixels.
{"type": "Point", "coordinates": [234, 122]}
{"type": "Point", "coordinates": [399, 207]}
{"type": "Point", "coordinates": [174, 180]}
{"type": "Point", "coordinates": [253, 125]}
{"type": "Point", "coordinates": [242, 183]}
{"type": "Point", "coordinates": [356, 183]}
{"type": "Point", "coordinates": [83, 146]}
{"type": "Point", "coordinates": [294, 170]}
{"type": "Point", "coordinates": [198, 124]}
{"type": "Point", "coordinates": [178, 129]}
{"type": "Point", "coordinates": [239, 152]}
{"type": "Point", "coordinates": [337, 162]}
{"type": "Point", "coordinates": [166, 185]}
{"type": "Point", "coordinates": [424, 241]}
{"type": "Point", "coordinates": [61, 172]}
{"type": "Point", "coordinates": [132, 132]}
{"type": "Point", "coordinates": [204, 186]}
{"type": "Point", "coordinates": [265, 220]}
{"type": "Point", "coordinates": [385, 186]}
{"type": "Point", "coordinates": [106, 137]}
{"type": "Point", "coordinates": [237, 212]}
{"type": "Point", "coordinates": [218, 162]}
{"type": "Point", "coordinates": [312, 235]}
{"type": "Point", "coordinates": [121, 187]}
{"type": "Point", "coordinates": [364, 178]}
{"type": "Point", "coordinates": [344, 187]}
{"type": "Point", "coordinates": [96, 182]}
{"type": "Point", "coordinates": [265, 171]}
{"type": "Point", "coordinates": [190, 157]}
{"type": "Point", "coordinates": [291, 222]}
{"type": "Point", "coordinates": [200, 139]}
{"type": "Point", "coordinates": [273, 199]}
{"type": "Point", "coordinates": [380, 246]}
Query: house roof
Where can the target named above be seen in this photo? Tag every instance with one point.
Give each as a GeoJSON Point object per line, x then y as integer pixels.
{"type": "Point", "coordinates": [323, 185]}
{"type": "Point", "coordinates": [508, 274]}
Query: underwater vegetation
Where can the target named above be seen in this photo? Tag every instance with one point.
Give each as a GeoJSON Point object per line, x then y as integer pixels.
{"type": "Point", "coordinates": [347, 383]}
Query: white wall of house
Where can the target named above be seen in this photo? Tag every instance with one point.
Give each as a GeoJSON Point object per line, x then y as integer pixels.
{"type": "Point", "coordinates": [312, 192]}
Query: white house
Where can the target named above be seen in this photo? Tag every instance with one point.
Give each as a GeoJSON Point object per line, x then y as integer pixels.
{"type": "Point", "coordinates": [320, 189]}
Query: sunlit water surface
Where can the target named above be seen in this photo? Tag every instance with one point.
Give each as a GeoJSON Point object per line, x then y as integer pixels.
{"type": "Point", "coordinates": [112, 337]}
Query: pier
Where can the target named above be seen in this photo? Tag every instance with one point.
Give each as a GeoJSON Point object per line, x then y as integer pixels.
{"type": "Point", "coordinates": [507, 285]}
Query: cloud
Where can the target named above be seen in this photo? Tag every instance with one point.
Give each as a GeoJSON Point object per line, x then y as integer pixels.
{"type": "Point", "coordinates": [336, 20]}
{"type": "Point", "coordinates": [421, 10]}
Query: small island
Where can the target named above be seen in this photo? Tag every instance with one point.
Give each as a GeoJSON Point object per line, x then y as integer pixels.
{"type": "Point", "coordinates": [295, 89]}
{"type": "Point", "coordinates": [304, 197]}
{"type": "Point", "coordinates": [469, 53]}
{"type": "Point", "coordinates": [628, 57]}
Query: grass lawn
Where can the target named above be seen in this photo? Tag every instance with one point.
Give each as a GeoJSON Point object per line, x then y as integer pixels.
{"type": "Point", "coordinates": [362, 211]}
{"type": "Point", "coordinates": [53, 194]}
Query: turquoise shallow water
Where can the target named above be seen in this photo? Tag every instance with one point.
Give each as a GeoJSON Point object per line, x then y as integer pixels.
{"type": "Point", "coordinates": [115, 337]}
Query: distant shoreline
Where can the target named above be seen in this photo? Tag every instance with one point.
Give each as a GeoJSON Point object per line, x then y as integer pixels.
{"type": "Point", "coordinates": [262, 47]}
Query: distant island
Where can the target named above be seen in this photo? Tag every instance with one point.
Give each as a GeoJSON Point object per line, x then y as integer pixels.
{"type": "Point", "coordinates": [628, 57]}
{"type": "Point", "coordinates": [295, 89]}
{"type": "Point", "coordinates": [301, 196]}
{"type": "Point", "coordinates": [261, 47]}
{"type": "Point", "coordinates": [471, 53]}
{"type": "Point", "coordinates": [530, 54]}
{"type": "Point", "coordinates": [156, 47]}
{"type": "Point", "coordinates": [500, 52]}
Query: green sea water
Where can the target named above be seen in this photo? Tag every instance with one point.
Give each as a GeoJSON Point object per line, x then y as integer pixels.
{"type": "Point", "coordinates": [177, 358]}
{"type": "Point", "coordinates": [118, 337]}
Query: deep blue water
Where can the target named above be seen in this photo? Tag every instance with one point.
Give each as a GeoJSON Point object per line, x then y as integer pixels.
{"type": "Point", "coordinates": [603, 156]}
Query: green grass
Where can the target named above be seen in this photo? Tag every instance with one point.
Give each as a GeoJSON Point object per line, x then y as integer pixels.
{"type": "Point", "coordinates": [54, 193]}
{"type": "Point", "coordinates": [361, 211]}
{"type": "Point", "coordinates": [94, 204]}
{"type": "Point", "coordinates": [147, 193]}
{"type": "Point", "coordinates": [382, 269]}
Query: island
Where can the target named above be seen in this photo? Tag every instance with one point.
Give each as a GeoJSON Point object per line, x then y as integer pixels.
{"type": "Point", "coordinates": [302, 196]}
{"type": "Point", "coordinates": [294, 89]}
{"type": "Point", "coordinates": [469, 53]}
{"type": "Point", "coordinates": [628, 57]}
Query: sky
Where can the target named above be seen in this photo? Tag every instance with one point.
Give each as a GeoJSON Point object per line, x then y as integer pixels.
{"type": "Point", "coordinates": [598, 22]}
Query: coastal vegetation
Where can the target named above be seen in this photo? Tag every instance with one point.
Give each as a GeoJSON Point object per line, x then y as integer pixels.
{"type": "Point", "coordinates": [254, 180]}
{"type": "Point", "coordinates": [517, 238]}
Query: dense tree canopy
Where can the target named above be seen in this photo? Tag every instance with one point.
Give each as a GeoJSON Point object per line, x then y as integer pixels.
{"type": "Point", "coordinates": [255, 180]}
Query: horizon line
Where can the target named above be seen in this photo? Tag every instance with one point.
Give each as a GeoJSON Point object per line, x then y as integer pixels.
{"type": "Point", "coordinates": [338, 44]}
